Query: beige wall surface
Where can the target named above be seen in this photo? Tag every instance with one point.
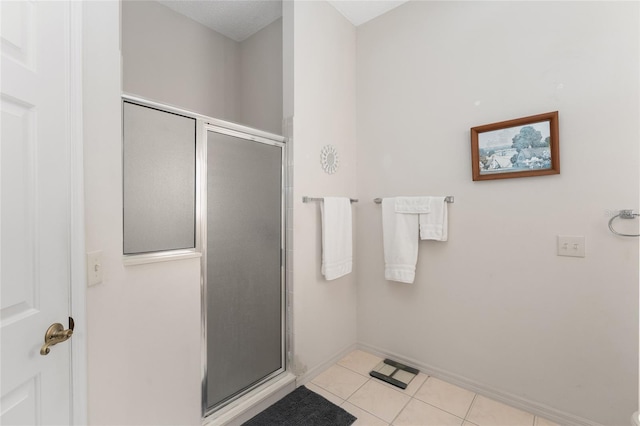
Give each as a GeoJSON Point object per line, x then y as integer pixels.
{"type": "Point", "coordinates": [260, 92]}
{"type": "Point", "coordinates": [324, 312]}
{"type": "Point", "coordinates": [144, 341]}
{"type": "Point", "coordinates": [143, 321]}
{"type": "Point", "coordinates": [174, 60]}
{"type": "Point", "coordinates": [494, 306]}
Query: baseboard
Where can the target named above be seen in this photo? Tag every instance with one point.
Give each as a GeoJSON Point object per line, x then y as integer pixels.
{"type": "Point", "coordinates": [524, 404]}
{"type": "Point", "coordinates": [312, 373]}
{"type": "Point", "coordinates": [254, 402]}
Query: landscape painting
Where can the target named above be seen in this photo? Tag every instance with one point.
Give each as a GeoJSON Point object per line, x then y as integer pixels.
{"type": "Point", "coordinates": [522, 147]}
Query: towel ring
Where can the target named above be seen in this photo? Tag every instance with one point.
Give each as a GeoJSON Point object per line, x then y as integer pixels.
{"type": "Point", "coordinates": [623, 214]}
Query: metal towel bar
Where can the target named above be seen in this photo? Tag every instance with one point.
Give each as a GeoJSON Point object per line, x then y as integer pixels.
{"type": "Point", "coordinates": [448, 199]}
{"type": "Point", "coordinates": [306, 199]}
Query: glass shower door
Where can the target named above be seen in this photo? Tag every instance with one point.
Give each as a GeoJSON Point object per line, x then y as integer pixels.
{"type": "Point", "coordinates": [243, 266]}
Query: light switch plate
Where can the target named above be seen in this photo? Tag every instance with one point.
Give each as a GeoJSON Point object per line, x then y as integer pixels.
{"type": "Point", "coordinates": [571, 245]}
{"type": "Point", "coordinates": [94, 268]}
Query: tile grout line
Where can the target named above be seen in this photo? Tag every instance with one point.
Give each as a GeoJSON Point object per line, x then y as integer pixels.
{"type": "Point", "coordinates": [347, 400]}
{"type": "Point", "coordinates": [368, 412]}
{"type": "Point", "coordinates": [401, 410]}
{"type": "Point", "coordinates": [351, 369]}
{"type": "Point", "coordinates": [354, 392]}
{"type": "Point", "coordinates": [411, 396]}
{"type": "Point", "coordinates": [441, 409]}
{"type": "Point", "coordinates": [363, 409]}
{"type": "Point", "coordinates": [368, 378]}
{"type": "Point", "coordinates": [344, 399]}
{"type": "Point", "coordinates": [464, 419]}
{"type": "Point", "coordinates": [473, 401]}
{"type": "Point", "coordinates": [371, 379]}
{"type": "Point", "coordinates": [328, 391]}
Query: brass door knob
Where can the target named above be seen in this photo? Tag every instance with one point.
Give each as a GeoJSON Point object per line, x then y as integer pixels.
{"type": "Point", "coordinates": [56, 334]}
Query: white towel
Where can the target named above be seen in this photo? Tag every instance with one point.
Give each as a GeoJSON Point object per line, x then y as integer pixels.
{"type": "Point", "coordinates": [337, 257]}
{"type": "Point", "coordinates": [400, 235]}
{"type": "Point", "coordinates": [418, 205]}
{"type": "Point", "coordinates": [434, 225]}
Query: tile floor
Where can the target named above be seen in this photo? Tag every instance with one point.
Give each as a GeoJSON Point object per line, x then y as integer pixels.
{"type": "Point", "coordinates": [427, 401]}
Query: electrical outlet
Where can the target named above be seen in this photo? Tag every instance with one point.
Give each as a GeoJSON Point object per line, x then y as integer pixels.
{"type": "Point", "coordinates": [94, 268]}
{"type": "Point", "coordinates": [571, 245]}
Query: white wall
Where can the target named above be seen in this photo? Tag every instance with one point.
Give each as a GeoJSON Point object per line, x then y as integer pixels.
{"type": "Point", "coordinates": [143, 321]}
{"type": "Point", "coordinates": [260, 91]}
{"type": "Point", "coordinates": [494, 306]}
{"type": "Point", "coordinates": [324, 312]}
{"type": "Point", "coordinates": [174, 60]}
{"type": "Point", "coordinates": [144, 341]}
{"type": "Point", "coordinates": [555, 332]}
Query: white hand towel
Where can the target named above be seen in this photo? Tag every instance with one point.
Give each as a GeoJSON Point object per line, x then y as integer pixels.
{"type": "Point", "coordinates": [400, 235]}
{"type": "Point", "coordinates": [434, 225]}
{"type": "Point", "coordinates": [418, 205]}
{"type": "Point", "coordinates": [337, 257]}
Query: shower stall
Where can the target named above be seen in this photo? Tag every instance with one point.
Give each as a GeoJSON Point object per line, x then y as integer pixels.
{"type": "Point", "coordinates": [242, 263]}
{"type": "Point", "coordinates": [195, 186]}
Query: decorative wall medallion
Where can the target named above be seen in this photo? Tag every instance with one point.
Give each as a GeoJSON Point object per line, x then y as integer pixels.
{"type": "Point", "coordinates": [329, 159]}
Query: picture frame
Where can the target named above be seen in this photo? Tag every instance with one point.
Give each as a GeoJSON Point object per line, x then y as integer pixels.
{"type": "Point", "coordinates": [523, 147]}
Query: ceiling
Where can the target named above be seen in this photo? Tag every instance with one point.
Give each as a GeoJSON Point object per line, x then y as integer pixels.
{"type": "Point", "coordinates": [236, 19]}
{"type": "Point", "coordinates": [361, 11]}
{"type": "Point", "coordinates": [240, 19]}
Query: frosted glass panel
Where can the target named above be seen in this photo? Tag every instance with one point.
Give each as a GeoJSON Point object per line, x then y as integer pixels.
{"type": "Point", "coordinates": [244, 284]}
{"type": "Point", "coordinates": [159, 171]}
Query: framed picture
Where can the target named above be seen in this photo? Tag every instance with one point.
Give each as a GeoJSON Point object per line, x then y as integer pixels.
{"type": "Point", "coordinates": [523, 147]}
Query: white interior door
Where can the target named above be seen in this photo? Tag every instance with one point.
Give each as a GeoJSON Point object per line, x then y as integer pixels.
{"type": "Point", "coordinates": [35, 211]}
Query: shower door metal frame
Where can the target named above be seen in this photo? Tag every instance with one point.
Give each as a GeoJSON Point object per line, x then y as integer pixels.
{"type": "Point", "coordinates": [203, 125]}
{"type": "Point", "coordinates": [246, 133]}
{"type": "Point", "coordinates": [170, 254]}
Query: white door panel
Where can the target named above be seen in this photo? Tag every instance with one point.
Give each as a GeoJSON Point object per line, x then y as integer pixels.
{"type": "Point", "coordinates": [35, 210]}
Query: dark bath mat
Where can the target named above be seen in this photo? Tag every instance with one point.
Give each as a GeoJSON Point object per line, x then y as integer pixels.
{"type": "Point", "coordinates": [302, 407]}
